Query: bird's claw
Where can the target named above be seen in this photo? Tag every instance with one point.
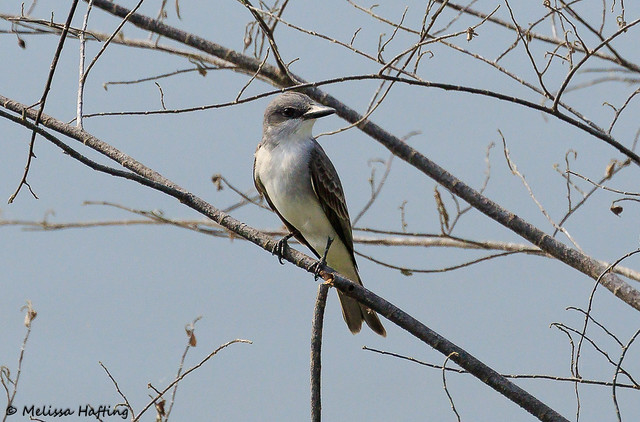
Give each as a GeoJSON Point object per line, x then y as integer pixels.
{"type": "Point", "coordinates": [317, 267]}
{"type": "Point", "coordinates": [280, 246]}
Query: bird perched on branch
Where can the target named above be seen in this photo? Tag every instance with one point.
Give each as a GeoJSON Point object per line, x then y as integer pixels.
{"type": "Point", "coordinates": [299, 182]}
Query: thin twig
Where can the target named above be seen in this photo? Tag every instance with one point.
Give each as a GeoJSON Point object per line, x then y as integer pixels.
{"type": "Point", "coordinates": [510, 376]}
{"type": "Point", "coordinates": [617, 166]}
{"type": "Point", "coordinates": [199, 68]}
{"type": "Point", "coordinates": [108, 41]}
{"type": "Point", "coordinates": [590, 304]}
{"type": "Point", "coordinates": [375, 191]}
{"type": "Point", "coordinates": [529, 54]}
{"type": "Point", "coordinates": [602, 327]}
{"type": "Point", "coordinates": [446, 390]}
{"type": "Point", "coordinates": [516, 172]}
{"type": "Point", "coordinates": [568, 330]}
{"type": "Point", "coordinates": [254, 76]}
{"type": "Point", "coordinates": [30, 315]}
{"type": "Point", "coordinates": [83, 42]}
{"type": "Point", "coordinates": [596, 184]}
{"type": "Point", "coordinates": [269, 34]}
{"type": "Point", "coordinates": [625, 348]}
{"type": "Point", "coordinates": [586, 57]}
{"type": "Point", "coordinates": [115, 384]}
{"type": "Point", "coordinates": [191, 342]}
{"type": "Point", "coordinates": [410, 271]}
{"type": "Point", "coordinates": [187, 372]}
{"type": "Point", "coordinates": [43, 100]}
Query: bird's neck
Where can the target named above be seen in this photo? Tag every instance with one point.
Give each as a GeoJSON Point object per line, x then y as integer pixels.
{"type": "Point", "coordinates": [289, 134]}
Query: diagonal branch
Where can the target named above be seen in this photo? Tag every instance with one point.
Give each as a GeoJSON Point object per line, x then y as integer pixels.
{"type": "Point", "coordinates": [576, 259]}
{"type": "Point", "coordinates": [587, 56]}
{"type": "Point", "coordinates": [155, 180]}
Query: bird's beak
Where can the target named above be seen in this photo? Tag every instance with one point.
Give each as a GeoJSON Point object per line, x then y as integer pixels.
{"type": "Point", "coordinates": [316, 111]}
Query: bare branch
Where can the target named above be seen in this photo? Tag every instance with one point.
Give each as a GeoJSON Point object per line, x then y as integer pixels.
{"type": "Point", "coordinates": [515, 172]}
{"type": "Point", "coordinates": [108, 41]}
{"type": "Point", "coordinates": [191, 342]}
{"type": "Point", "coordinates": [589, 307]}
{"type": "Point", "coordinates": [446, 390]}
{"type": "Point", "coordinates": [625, 348]}
{"type": "Point", "coordinates": [43, 100]}
{"type": "Point", "coordinates": [598, 185]}
{"type": "Point", "coordinates": [374, 191]}
{"type": "Point", "coordinates": [316, 346]}
{"type": "Point", "coordinates": [115, 384]}
{"type": "Point", "coordinates": [510, 376]}
{"type": "Point", "coordinates": [586, 57]}
{"type": "Point", "coordinates": [5, 373]}
{"type": "Point", "coordinates": [526, 47]}
{"type": "Point", "coordinates": [269, 34]}
{"type": "Point", "coordinates": [152, 179]}
{"type": "Point", "coordinates": [83, 40]}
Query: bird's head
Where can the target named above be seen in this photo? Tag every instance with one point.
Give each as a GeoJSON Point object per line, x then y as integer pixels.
{"type": "Point", "coordinates": [293, 114]}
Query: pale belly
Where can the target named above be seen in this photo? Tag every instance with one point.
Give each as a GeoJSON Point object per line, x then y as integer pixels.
{"type": "Point", "coordinates": [291, 193]}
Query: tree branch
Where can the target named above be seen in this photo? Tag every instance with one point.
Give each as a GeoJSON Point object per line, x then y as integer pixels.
{"type": "Point", "coordinates": [43, 100]}
{"type": "Point", "coordinates": [571, 257]}
{"type": "Point", "coordinates": [153, 179]}
{"type": "Point", "coordinates": [316, 347]}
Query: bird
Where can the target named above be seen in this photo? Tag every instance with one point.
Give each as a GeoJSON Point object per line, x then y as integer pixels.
{"type": "Point", "coordinates": [301, 185]}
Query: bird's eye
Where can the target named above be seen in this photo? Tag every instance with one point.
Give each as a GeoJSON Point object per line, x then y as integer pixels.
{"type": "Point", "coordinates": [289, 112]}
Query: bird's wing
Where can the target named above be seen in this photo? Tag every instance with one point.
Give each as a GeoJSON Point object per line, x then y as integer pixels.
{"type": "Point", "coordinates": [256, 181]}
{"type": "Point", "coordinates": [263, 192]}
{"type": "Point", "coordinates": [327, 187]}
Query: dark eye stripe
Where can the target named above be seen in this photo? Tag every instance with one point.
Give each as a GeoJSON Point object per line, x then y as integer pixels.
{"type": "Point", "coordinates": [291, 112]}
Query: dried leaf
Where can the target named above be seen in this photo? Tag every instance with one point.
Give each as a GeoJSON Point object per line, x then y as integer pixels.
{"type": "Point", "coordinates": [217, 180]}
{"type": "Point", "coordinates": [610, 168]}
{"type": "Point", "coordinates": [160, 412]}
{"type": "Point", "coordinates": [403, 222]}
{"type": "Point", "coordinates": [616, 209]}
{"type": "Point", "coordinates": [193, 342]}
{"type": "Point", "coordinates": [471, 33]}
{"type": "Point", "coordinates": [190, 330]}
{"type": "Point", "coordinates": [30, 315]}
{"type": "Point", "coordinates": [444, 215]}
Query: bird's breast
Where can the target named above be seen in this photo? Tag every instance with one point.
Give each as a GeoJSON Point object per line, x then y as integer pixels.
{"type": "Point", "coordinates": [283, 169]}
{"type": "Point", "coordinates": [284, 172]}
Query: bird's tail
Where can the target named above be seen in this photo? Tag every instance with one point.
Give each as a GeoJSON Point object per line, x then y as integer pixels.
{"type": "Point", "coordinates": [354, 313]}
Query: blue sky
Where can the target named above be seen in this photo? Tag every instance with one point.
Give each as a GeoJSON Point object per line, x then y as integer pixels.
{"type": "Point", "coordinates": [122, 295]}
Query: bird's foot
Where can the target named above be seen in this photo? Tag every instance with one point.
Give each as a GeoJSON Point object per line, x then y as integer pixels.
{"type": "Point", "coordinates": [280, 246]}
{"type": "Point", "coordinates": [317, 267]}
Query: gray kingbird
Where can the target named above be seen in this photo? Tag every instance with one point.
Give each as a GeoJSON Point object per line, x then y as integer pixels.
{"type": "Point", "coordinates": [299, 182]}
